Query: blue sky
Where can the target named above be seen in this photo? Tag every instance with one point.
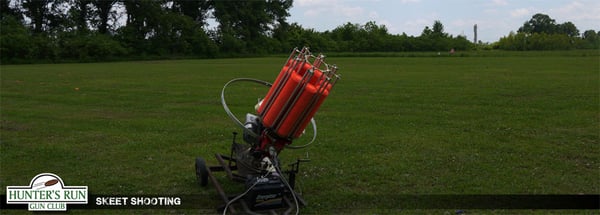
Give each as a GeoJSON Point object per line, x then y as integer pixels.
{"type": "Point", "coordinates": [494, 18]}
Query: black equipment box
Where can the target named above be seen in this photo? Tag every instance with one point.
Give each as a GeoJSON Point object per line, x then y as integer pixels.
{"type": "Point", "coordinates": [266, 193]}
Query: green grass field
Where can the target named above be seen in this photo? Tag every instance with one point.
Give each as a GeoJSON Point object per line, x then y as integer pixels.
{"type": "Point", "coordinates": [420, 125]}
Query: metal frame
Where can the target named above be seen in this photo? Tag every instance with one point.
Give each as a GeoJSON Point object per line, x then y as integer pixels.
{"type": "Point", "coordinates": [228, 164]}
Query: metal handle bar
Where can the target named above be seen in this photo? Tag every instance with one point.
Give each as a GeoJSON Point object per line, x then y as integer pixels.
{"type": "Point", "coordinates": [240, 124]}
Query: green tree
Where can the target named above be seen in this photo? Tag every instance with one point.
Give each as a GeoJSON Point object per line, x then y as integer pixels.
{"type": "Point", "coordinates": [539, 23]}
{"type": "Point", "coordinates": [279, 11]}
{"type": "Point", "coordinates": [38, 12]}
{"type": "Point", "coordinates": [244, 21]}
{"type": "Point", "coordinates": [197, 10]}
{"type": "Point", "coordinates": [591, 35]}
{"type": "Point", "coordinates": [592, 39]}
{"type": "Point", "coordinates": [187, 23]}
{"type": "Point", "coordinates": [438, 29]}
{"type": "Point", "coordinates": [79, 15]}
{"type": "Point", "coordinates": [434, 38]}
{"type": "Point", "coordinates": [378, 37]}
{"type": "Point", "coordinates": [6, 10]}
{"type": "Point", "coordinates": [513, 42]}
{"type": "Point", "coordinates": [542, 33]}
{"type": "Point", "coordinates": [245, 26]}
{"type": "Point", "coordinates": [568, 28]}
{"type": "Point", "coordinates": [348, 37]}
{"type": "Point", "coordinates": [46, 15]}
{"type": "Point", "coordinates": [318, 41]}
{"type": "Point", "coordinates": [426, 32]}
{"type": "Point", "coordinates": [15, 39]}
{"type": "Point", "coordinates": [102, 14]}
{"type": "Point", "coordinates": [142, 22]}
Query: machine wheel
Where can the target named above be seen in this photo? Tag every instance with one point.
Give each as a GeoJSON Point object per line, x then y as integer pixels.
{"type": "Point", "coordinates": [201, 172]}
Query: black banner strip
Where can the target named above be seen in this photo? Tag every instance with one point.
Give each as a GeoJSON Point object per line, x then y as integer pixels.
{"type": "Point", "coordinates": [588, 201]}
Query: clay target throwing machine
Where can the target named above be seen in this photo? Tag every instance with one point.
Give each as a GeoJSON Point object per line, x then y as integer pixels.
{"type": "Point", "coordinates": [292, 100]}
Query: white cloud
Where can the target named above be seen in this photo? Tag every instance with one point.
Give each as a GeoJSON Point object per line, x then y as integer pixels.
{"type": "Point", "coordinates": [499, 2]}
{"type": "Point", "coordinates": [311, 12]}
{"type": "Point", "coordinates": [415, 27]}
{"type": "Point", "coordinates": [491, 11]}
{"type": "Point", "coordinates": [409, 1]}
{"type": "Point", "coordinates": [390, 26]}
{"type": "Point", "coordinates": [462, 23]}
{"type": "Point", "coordinates": [327, 9]}
{"type": "Point", "coordinates": [373, 15]}
{"type": "Point", "coordinates": [576, 10]}
{"type": "Point", "coordinates": [520, 12]}
{"type": "Point", "coordinates": [350, 11]}
{"type": "Point", "coordinates": [309, 3]}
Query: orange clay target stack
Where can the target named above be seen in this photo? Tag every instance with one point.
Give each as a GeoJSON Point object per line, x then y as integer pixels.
{"type": "Point", "coordinates": [287, 109]}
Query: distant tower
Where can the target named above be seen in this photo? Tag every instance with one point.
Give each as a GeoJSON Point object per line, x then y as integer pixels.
{"type": "Point", "coordinates": [475, 33]}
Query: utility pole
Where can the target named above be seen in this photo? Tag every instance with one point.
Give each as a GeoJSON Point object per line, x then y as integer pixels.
{"type": "Point", "coordinates": [475, 34]}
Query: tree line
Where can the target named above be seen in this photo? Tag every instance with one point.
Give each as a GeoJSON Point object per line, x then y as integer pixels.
{"type": "Point", "coordinates": [543, 33]}
{"type": "Point", "coordinates": [99, 30]}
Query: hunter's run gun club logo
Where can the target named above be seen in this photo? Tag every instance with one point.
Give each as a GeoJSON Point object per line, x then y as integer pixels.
{"type": "Point", "coordinates": [46, 192]}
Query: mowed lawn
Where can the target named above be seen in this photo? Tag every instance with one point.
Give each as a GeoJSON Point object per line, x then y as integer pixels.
{"type": "Point", "coordinates": [391, 126]}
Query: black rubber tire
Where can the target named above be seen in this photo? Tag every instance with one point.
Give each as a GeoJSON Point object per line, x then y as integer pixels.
{"type": "Point", "coordinates": [201, 172]}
